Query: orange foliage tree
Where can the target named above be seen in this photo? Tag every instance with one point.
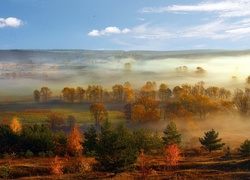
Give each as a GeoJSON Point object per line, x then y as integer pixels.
{"type": "Point", "coordinates": [75, 140]}
{"type": "Point", "coordinates": [171, 155]}
{"type": "Point", "coordinates": [15, 125]}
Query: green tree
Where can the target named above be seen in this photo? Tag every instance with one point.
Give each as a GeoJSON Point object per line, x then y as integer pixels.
{"type": "Point", "coordinates": [61, 142]}
{"type": "Point", "coordinates": [8, 139]}
{"type": "Point", "coordinates": [37, 138]}
{"type": "Point", "coordinates": [171, 135]}
{"type": "Point", "coordinates": [211, 141]}
{"type": "Point", "coordinates": [245, 148]}
{"type": "Point", "coordinates": [148, 141]}
{"type": "Point", "coordinates": [90, 141]}
{"type": "Point", "coordinates": [116, 150]}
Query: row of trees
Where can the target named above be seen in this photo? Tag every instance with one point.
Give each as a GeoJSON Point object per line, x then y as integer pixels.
{"type": "Point", "coordinates": [115, 147]}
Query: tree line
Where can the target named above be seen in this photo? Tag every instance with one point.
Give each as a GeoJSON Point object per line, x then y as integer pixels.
{"type": "Point", "coordinates": [152, 104]}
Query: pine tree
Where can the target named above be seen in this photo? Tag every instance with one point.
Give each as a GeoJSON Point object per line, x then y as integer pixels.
{"type": "Point", "coordinates": [211, 142]}
{"type": "Point", "coordinates": [90, 141]}
{"type": "Point", "coordinates": [245, 148]}
{"type": "Point", "coordinates": [116, 150]}
{"type": "Point", "coordinates": [171, 135]}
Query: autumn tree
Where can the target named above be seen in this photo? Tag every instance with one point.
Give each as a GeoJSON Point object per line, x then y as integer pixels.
{"type": "Point", "coordinates": [149, 90]}
{"type": "Point", "coordinates": [45, 93]}
{"type": "Point", "coordinates": [55, 121]}
{"type": "Point", "coordinates": [212, 92]}
{"type": "Point", "coordinates": [69, 94]}
{"type": "Point", "coordinates": [145, 109]}
{"type": "Point", "coordinates": [203, 105]}
{"type": "Point", "coordinates": [224, 93]}
{"type": "Point", "coordinates": [128, 94]}
{"type": "Point", "coordinates": [94, 93]}
{"type": "Point", "coordinates": [241, 100]}
{"type": "Point", "coordinates": [98, 112]}
{"type": "Point", "coordinates": [138, 113]}
{"type": "Point", "coordinates": [118, 92]}
{"type": "Point", "coordinates": [177, 92]}
{"type": "Point", "coordinates": [36, 95]}
{"type": "Point", "coordinates": [171, 135]}
{"type": "Point", "coordinates": [15, 125]}
{"type": "Point", "coordinates": [171, 155]}
{"type": "Point", "coordinates": [75, 139]}
{"type": "Point", "coordinates": [80, 94]}
{"type": "Point", "coordinates": [164, 93]}
{"type": "Point", "coordinates": [210, 141]}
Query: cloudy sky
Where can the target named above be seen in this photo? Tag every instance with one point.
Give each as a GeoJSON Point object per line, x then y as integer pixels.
{"type": "Point", "coordinates": [125, 25]}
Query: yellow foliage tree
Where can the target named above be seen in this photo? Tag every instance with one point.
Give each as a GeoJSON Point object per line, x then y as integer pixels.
{"type": "Point", "coordinates": [75, 139]}
{"type": "Point", "coordinates": [15, 125]}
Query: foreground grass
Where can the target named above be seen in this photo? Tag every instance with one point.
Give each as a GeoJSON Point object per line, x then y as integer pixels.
{"type": "Point", "coordinates": [209, 166]}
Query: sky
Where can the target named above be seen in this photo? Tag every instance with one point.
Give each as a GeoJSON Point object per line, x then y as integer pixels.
{"type": "Point", "coordinates": [161, 25]}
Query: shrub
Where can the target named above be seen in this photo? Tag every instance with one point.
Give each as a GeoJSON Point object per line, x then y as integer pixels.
{"type": "Point", "coordinates": [56, 167]}
{"type": "Point", "coordinates": [5, 171]}
{"type": "Point", "coordinates": [29, 154]}
{"type": "Point", "coordinates": [171, 155]}
{"type": "Point", "coordinates": [42, 154]}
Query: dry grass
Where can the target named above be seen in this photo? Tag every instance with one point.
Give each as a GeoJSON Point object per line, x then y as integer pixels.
{"type": "Point", "coordinates": [208, 166]}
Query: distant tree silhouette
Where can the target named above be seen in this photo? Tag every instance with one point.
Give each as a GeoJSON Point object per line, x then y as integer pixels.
{"type": "Point", "coordinates": [37, 95]}
{"type": "Point", "coordinates": [45, 93]}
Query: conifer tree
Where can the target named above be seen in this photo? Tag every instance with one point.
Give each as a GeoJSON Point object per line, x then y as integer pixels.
{"type": "Point", "coordinates": [211, 141]}
{"type": "Point", "coordinates": [171, 135]}
{"type": "Point", "coordinates": [90, 141]}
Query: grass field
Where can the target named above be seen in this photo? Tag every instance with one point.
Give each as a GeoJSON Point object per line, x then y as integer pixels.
{"type": "Point", "coordinates": [32, 113]}
{"type": "Point", "coordinates": [206, 166]}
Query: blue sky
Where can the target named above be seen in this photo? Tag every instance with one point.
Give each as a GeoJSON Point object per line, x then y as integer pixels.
{"type": "Point", "coordinates": [125, 25]}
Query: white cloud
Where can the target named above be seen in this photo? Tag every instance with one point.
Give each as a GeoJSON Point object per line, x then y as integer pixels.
{"type": "Point", "coordinates": [94, 33]}
{"type": "Point", "coordinates": [225, 8]}
{"type": "Point", "coordinates": [10, 22]}
{"type": "Point", "coordinates": [108, 31]}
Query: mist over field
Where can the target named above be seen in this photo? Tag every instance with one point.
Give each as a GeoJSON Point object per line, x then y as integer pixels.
{"type": "Point", "coordinates": [22, 71]}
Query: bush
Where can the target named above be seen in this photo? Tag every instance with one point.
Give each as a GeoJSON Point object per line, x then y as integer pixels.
{"type": "Point", "coordinates": [5, 171]}
{"type": "Point", "coordinates": [245, 148]}
{"type": "Point", "coordinates": [56, 167]}
{"type": "Point", "coordinates": [29, 154]}
{"type": "Point", "coordinates": [42, 154]}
